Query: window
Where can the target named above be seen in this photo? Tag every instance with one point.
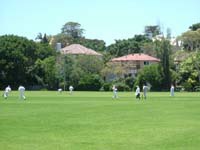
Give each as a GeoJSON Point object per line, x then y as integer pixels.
{"type": "Point", "coordinates": [146, 62]}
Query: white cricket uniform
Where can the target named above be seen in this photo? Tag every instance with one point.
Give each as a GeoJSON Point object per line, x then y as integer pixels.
{"type": "Point", "coordinates": [137, 92]}
{"type": "Point", "coordinates": [6, 92]}
{"type": "Point", "coordinates": [21, 90]}
{"type": "Point", "coordinates": [145, 88]}
{"type": "Point", "coordinates": [115, 92]}
{"type": "Point", "coordinates": [172, 91]}
{"type": "Point", "coordinates": [60, 90]}
{"type": "Point", "coordinates": [71, 89]}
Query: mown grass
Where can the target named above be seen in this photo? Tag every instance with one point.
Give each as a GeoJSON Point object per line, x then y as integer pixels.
{"type": "Point", "coordinates": [95, 121]}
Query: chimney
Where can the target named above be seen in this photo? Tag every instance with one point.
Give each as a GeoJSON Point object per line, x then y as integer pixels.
{"type": "Point", "coordinates": [58, 47]}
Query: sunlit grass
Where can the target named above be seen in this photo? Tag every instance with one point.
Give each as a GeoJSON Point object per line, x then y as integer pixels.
{"type": "Point", "coordinates": [95, 121]}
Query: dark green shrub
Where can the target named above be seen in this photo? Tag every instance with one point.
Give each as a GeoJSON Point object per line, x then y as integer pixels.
{"type": "Point", "coordinates": [130, 82]}
{"type": "Point", "coordinates": [90, 83]}
{"type": "Point", "coordinates": [122, 86]}
{"type": "Point", "coordinates": [188, 86]}
{"type": "Point", "coordinates": [197, 88]}
{"type": "Point", "coordinates": [107, 86]}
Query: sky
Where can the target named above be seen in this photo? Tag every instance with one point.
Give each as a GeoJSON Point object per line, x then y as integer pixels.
{"type": "Point", "coordinates": [107, 20]}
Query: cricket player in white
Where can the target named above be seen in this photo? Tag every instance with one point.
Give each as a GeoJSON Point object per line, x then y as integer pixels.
{"type": "Point", "coordinates": [71, 88]}
{"type": "Point", "coordinates": [137, 92]}
{"type": "Point", "coordinates": [21, 90]}
{"type": "Point", "coordinates": [114, 91]}
{"type": "Point", "coordinates": [172, 90]}
{"type": "Point", "coordinates": [60, 90]}
{"type": "Point", "coordinates": [145, 88]}
{"type": "Point", "coordinates": [6, 92]}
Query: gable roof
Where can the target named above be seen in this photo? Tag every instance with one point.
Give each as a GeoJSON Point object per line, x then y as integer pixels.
{"type": "Point", "coordinates": [136, 57]}
{"type": "Point", "coordinates": [77, 49]}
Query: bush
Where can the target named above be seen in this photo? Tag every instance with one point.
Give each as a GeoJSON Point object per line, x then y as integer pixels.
{"type": "Point", "coordinates": [180, 88]}
{"type": "Point", "coordinates": [197, 88]}
{"type": "Point", "coordinates": [90, 83]}
{"type": "Point", "coordinates": [122, 87]}
{"type": "Point", "coordinates": [188, 86]}
{"type": "Point", "coordinates": [151, 74]}
{"type": "Point", "coordinates": [107, 86]}
{"type": "Point", "coordinates": [130, 82]}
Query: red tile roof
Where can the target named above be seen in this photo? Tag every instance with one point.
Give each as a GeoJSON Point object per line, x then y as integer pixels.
{"type": "Point", "coordinates": [136, 57]}
{"type": "Point", "coordinates": [78, 49]}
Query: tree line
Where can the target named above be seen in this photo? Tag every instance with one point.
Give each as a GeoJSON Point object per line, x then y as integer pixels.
{"type": "Point", "coordinates": [37, 65]}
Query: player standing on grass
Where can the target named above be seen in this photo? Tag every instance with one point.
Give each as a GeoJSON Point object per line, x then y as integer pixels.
{"type": "Point", "coordinates": [71, 88]}
{"type": "Point", "coordinates": [114, 91]}
{"type": "Point", "coordinates": [172, 90]}
{"type": "Point", "coordinates": [21, 90]}
{"type": "Point", "coordinates": [137, 92]}
{"type": "Point", "coordinates": [145, 88]}
{"type": "Point", "coordinates": [6, 92]}
{"type": "Point", "coordinates": [60, 90]}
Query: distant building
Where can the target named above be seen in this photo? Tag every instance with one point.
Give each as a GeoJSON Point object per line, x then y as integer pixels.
{"type": "Point", "coordinates": [132, 63]}
{"type": "Point", "coordinates": [77, 49]}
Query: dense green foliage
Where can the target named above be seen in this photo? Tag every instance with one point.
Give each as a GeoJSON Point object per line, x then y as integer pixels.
{"type": "Point", "coordinates": [94, 121]}
{"type": "Point", "coordinates": [90, 82]}
{"type": "Point", "coordinates": [65, 40]}
{"type": "Point", "coordinates": [151, 75]}
{"type": "Point", "coordinates": [191, 40]}
{"type": "Point", "coordinates": [18, 60]}
{"type": "Point", "coordinates": [37, 65]}
{"type": "Point", "coordinates": [80, 71]}
{"type": "Point", "coordinates": [189, 72]}
{"type": "Point", "coordinates": [195, 27]}
{"type": "Point", "coordinates": [17, 55]}
{"type": "Point", "coordinates": [164, 50]}
{"type": "Point", "coordinates": [125, 47]}
{"type": "Point", "coordinates": [152, 31]}
{"type": "Point", "coordinates": [72, 29]}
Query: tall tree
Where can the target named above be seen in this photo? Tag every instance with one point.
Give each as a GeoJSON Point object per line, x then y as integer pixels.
{"type": "Point", "coordinates": [95, 44]}
{"type": "Point", "coordinates": [74, 69]}
{"type": "Point", "coordinates": [132, 45]}
{"type": "Point", "coordinates": [152, 31]}
{"type": "Point", "coordinates": [62, 38]}
{"type": "Point", "coordinates": [196, 61]}
{"type": "Point", "coordinates": [17, 54]}
{"type": "Point", "coordinates": [152, 75]}
{"type": "Point", "coordinates": [42, 38]}
{"type": "Point", "coordinates": [163, 49]}
{"type": "Point", "coordinates": [22, 61]}
{"type": "Point", "coordinates": [73, 29]}
{"type": "Point", "coordinates": [165, 62]}
{"type": "Point", "coordinates": [189, 72]}
{"type": "Point", "coordinates": [191, 40]}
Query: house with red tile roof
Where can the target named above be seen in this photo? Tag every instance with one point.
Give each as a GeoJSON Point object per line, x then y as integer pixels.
{"type": "Point", "coordinates": [77, 49]}
{"type": "Point", "coordinates": [137, 57]}
{"type": "Point", "coordinates": [132, 63]}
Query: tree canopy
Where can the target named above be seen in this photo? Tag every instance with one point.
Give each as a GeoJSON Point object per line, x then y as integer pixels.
{"type": "Point", "coordinates": [18, 57]}
{"type": "Point", "coordinates": [191, 40]}
{"type": "Point", "coordinates": [195, 27]}
{"type": "Point", "coordinates": [125, 47]}
{"type": "Point", "coordinates": [36, 63]}
{"type": "Point", "coordinates": [152, 30]}
{"type": "Point", "coordinates": [72, 29]}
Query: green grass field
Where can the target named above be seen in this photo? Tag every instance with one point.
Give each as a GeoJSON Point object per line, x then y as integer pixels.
{"type": "Point", "coordinates": [94, 121]}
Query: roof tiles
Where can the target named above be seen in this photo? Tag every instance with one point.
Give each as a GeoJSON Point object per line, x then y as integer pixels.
{"type": "Point", "coordinates": [78, 49]}
{"type": "Point", "coordinates": [136, 57]}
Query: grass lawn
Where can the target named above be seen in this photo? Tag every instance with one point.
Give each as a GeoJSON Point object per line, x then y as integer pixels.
{"type": "Point", "coordinates": [95, 121]}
